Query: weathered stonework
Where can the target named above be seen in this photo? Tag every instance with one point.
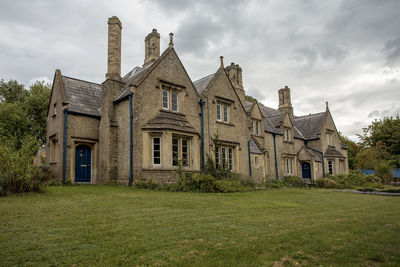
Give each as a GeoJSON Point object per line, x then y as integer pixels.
{"type": "Point", "coordinates": [138, 126]}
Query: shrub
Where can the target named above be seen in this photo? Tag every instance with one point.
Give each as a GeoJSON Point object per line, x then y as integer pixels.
{"type": "Point", "coordinates": [293, 181]}
{"type": "Point", "coordinates": [327, 183]}
{"type": "Point", "coordinates": [384, 172]}
{"type": "Point", "coordinates": [367, 189]}
{"type": "Point", "coordinates": [143, 184]}
{"type": "Point", "coordinates": [274, 184]}
{"type": "Point", "coordinates": [18, 174]}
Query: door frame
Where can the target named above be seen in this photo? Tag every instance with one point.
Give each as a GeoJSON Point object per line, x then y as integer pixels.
{"type": "Point", "coordinates": [93, 147]}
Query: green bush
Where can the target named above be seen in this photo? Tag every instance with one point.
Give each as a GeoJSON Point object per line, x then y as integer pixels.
{"type": "Point", "coordinates": [274, 184]}
{"type": "Point", "coordinates": [143, 184]}
{"type": "Point", "coordinates": [293, 181]}
{"type": "Point", "coordinates": [327, 183]}
{"type": "Point", "coordinates": [384, 172]}
{"type": "Point", "coordinates": [391, 190]}
{"type": "Point", "coordinates": [18, 174]}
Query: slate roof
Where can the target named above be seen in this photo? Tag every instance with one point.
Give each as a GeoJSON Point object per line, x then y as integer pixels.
{"type": "Point", "coordinates": [317, 156]}
{"type": "Point", "coordinates": [309, 125]}
{"type": "Point", "coordinates": [247, 106]}
{"type": "Point", "coordinates": [82, 96]}
{"type": "Point", "coordinates": [254, 148]}
{"type": "Point", "coordinates": [202, 83]}
{"type": "Point", "coordinates": [269, 112]}
{"type": "Point", "coordinates": [332, 152]}
{"type": "Point", "coordinates": [171, 121]}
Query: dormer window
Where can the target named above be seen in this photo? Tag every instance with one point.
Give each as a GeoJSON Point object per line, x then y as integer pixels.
{"type": "Point", "coordinates": [170, 100]}
{"type": "Point", "coordinates": [329, 137]}
{"type": "Point", "coordinates": [255, 127]}
{"type": "Point", "coordinates": [286, 135]}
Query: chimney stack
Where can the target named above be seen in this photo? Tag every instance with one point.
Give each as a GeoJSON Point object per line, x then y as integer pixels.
{"type": "Point", "coordinates": [114, 49]}
{"type": "Point", "coordinates": [152, 47]}
{"type": "Point", "coordinates": [235, 75]}
{"type": "Point", "coordinates": [285, 103]}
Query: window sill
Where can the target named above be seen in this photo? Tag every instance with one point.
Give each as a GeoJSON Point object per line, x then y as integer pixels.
{"type": "Point", "coordinates": [225, 123]}
{"type": "Point", "coordinates": [53, 163]}
{"type": "Point", "coordinates": [257, 135]}
{"type": "Point", "coordinates": [172, 112]}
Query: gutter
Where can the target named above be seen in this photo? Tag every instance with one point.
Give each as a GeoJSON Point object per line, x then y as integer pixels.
{"type": "Point", "coordinates": [64, 172]}
{"type": "Point", "coordinates": [248, 145]}
{"type": "Point", "coordinates": [130, 141]}
{"type": "Point", "coordinates": [276, 160]}
{"type": "Point", "coordinates": [201, 102]}
{"type": "Point", "coordinates": [322, 154]}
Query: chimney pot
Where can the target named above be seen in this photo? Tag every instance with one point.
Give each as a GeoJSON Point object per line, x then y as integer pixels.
{"type": "Point", "coordinates": [114, 49]}
{"type": "Point", "coordinates": [171, 39]}
{"type": "Point", "coordinates": [222, 61]}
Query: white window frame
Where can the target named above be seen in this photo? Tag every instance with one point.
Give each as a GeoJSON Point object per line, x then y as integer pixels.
{"type": "Point", "coordinates": [219, 113]}
{"type": "Point", "coordinates": [289, 165]}
{"type": "Point", "coordinates": [217, 158]}
{"type": "Point", "coordinates": [226, 113]}
{"type": "Point", "coordinates": [225, 157]}
{"type": "Point", "coordinates": [152, 150]}
{"type": "Point", "coordinates": [231, 163]}
{"type": "Point", "coordinates": [286, 134]}
{"type": "Point", "coordinates": [162, 98]}
{"type": "Point", "coordinates": [180, 151]}
{"type": "Point", "coordinates": [329, 136]}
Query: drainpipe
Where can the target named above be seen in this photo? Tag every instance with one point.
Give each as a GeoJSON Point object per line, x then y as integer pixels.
{"type": "Point", "coordinates": [248, 145]}
{"type": "Point", "coordinates": [130, 141]}
{"type": "Point", "coordinates": [276, 160]}
{"type": "Point", "coordinates": [202, 133]}
{"type": "Point", "coordinates": [322, 154]}
{"type": "Point", "coordinates": [65, 147]}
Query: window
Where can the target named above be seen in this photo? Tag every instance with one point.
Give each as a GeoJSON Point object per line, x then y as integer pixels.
{"type": "Point", "coordinates": [223, 112]}
{"type": "Point", "coordinates": [224, 158]}
{"type": "Point", "coordinates": [257, 131]}
{"type": "Point", "coordinates": [156, 150]}
{"type": "Point", "coordinates": [180, 151]}
{"type": "Point", "coordinates": [329, 137]}
{"type": "Point", "coordinates": [230, 159]}
{"type": "Point", "coordinates": [330, 166]}
{"type": "Point", "coordinates": [256, 161]}
{"type": "Point", "coordinates": [170, 97]}
{"type": "Point", "coordinates": [288, 163]}
{"type": "Point", "coordinates": [218, 112]}
{"type": "Point", "coordinates": [286, 134]}
{"type": "Point", "coordinates": [174, 98]}
{"type": "Point", "coordinates": [165, 99]}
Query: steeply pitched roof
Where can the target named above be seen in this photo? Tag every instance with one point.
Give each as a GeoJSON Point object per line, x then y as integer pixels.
{"type": "Point", "coordinates": [202, 83]}
{"type": "Point", "coordinates": [269, 112]}
{"type": "Point", "coordinates": [309, 125]}
{"type": "Point", "coordinates": [247, 106]}
{"type": "Point", "coordinates": [82, 96]}
{"type": "Point", "coordinates": [332, 152]}
{"type": "Point", "coordinates": [254, 148]}
{"type": "Point", "coordinates": [170, 121]}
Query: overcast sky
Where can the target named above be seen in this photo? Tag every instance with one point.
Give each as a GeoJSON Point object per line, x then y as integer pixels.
{"type": "Point", "coordinates": [344, 52]}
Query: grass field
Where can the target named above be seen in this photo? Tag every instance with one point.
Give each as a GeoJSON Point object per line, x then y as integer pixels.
{"type": "Point", "coordinates": [116, 225]}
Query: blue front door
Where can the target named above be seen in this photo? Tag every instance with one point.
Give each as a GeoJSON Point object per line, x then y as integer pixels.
{"type": "Point", "coordinates": [306, 169]}
{"type": "Point", "coordinates": [83, 163]}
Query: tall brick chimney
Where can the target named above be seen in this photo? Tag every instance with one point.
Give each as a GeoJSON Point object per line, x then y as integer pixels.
{"type": "Point", "coordinates": [285, 103]}
{"type": "Point", "coordinates": [114, 49]}
{"type": "Point", "coordinates": [235, 75]}
{"type": "Point", "coordinates": [152, 47]}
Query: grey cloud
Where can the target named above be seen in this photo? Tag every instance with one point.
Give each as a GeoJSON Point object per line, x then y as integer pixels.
{"type": "Point", "coordinates": [392, 51]}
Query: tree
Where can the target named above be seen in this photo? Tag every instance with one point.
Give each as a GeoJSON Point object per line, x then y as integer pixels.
{"type": "Point", "coordinates": [250, 99]}
{"type": "Point", "coordinates": [382, 138]}
{"type": "Point", "coordinates": [352, 150]}
{"type": "Point", "coordinates": [12, 91]}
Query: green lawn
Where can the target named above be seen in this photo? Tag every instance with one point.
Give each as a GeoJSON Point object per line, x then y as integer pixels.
{"type": "Point", "coordinates": [116, 225]}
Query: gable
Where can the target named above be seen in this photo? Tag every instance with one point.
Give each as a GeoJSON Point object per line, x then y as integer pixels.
{"type": "Point", "coordinates": [57, 90]}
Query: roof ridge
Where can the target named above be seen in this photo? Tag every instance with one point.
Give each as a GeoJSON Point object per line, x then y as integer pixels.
{"type": "Point", "coordinates": [76, 79]}
{"type": "Point", "coordinates": [318, 113]}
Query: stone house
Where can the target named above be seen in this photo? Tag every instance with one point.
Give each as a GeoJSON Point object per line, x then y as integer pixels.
{"type": "Point", "coordinates": [146, 124]}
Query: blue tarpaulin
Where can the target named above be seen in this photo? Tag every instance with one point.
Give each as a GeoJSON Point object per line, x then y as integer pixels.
{"type": "Point", "coordinates": [396, 173]}
{"type": "Point", "coordinates": [367, 172]}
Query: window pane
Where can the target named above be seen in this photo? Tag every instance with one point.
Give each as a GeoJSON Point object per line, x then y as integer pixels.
{"type": "Point", "coordinates": [185, 152]}
{"type": "Point", "coordinates": [252, 126]}
{"type": "Point", "coordinates": [175, 151]}
{"type": "Point", "coordinates": [230, 159]}
{"type": "Point", "coordinates": [223, 152]}
{"type": "Point", "coordinates": [217, 157]}
{"type": "Point", "coordinates": [225, 113]}
{"type": "Point", "coordinates": [218, 112]}
{"type": "Point", "coordinates": [174, 101]}
{"type": "Point", "coordinates": [257, 128]}
{"type": "Point", "coordinates": [165, 99]}
{"type": "Point", "coordinates": [156, 150]}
